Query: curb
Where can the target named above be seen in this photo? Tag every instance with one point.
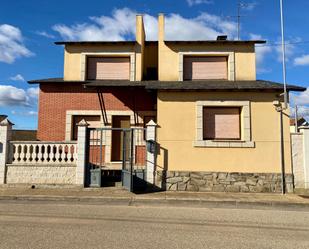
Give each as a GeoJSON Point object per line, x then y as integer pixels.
{"type": "Point", "coordinates": [161, 202]}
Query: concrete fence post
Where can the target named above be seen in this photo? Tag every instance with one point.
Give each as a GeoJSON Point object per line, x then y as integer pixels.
{"type": "Point", "coordinates": [305, 131]}
{"type": "Point", "coordinates": [151, 149]}
{"type": "Point", "coordinates": [81, 152]}
{"type": "Point", "coordinates": [5, 137]}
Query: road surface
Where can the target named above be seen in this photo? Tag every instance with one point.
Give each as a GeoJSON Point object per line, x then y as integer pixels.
{"type": "Point", "coordinates": [70, 225]}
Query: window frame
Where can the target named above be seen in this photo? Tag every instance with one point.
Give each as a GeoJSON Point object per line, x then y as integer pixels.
{"type": "Point", "coordinates": [226, 61]}
{"type": "Point", "coordinates": [245, 123]}
{"type": "Point", "coordinates": [231, 69]}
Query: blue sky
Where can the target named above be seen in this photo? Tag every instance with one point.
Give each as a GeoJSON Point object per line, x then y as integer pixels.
{"type": "Point", "coordinates": [29, 28]}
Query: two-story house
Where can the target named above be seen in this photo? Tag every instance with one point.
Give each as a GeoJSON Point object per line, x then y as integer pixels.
{"type": "Point", "coordinates": [218, 128]}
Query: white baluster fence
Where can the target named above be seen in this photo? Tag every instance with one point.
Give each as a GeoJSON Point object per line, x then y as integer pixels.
{"type": "Point", "coordinates": [37, 152]}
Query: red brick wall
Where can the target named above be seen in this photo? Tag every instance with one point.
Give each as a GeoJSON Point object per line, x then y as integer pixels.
{"type": "Point", "coordinates": [55, 99]}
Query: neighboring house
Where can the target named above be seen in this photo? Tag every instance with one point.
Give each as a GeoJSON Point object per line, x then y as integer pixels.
{"type": "Point", "coordinates": [2, 117]}
{"type": "Point", "coordinates": [300, 122]}
{"type": "Point", "coordinates": [218, 127]}
{"type": "Point", "coordinates": [23, 135]}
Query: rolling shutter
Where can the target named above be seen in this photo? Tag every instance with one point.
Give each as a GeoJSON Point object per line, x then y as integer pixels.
{"type": "Point", "coordinates": [221, 123]}
{"type": "Point", "coordinates": [205, 67]}
{"type": "Point", "coordinates": [108, 68]}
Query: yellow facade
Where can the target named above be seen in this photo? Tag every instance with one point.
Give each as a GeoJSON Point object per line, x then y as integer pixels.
{"type": "Point", "coordinates": [176, 111]}
{"type": "Point", "coordinates": [176, 117]}
{"type": "Point", "coordinates": [74, 54]}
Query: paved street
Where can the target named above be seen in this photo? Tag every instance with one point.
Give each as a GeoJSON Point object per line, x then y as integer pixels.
{"type": "Point", "coordinates": [59, 225]}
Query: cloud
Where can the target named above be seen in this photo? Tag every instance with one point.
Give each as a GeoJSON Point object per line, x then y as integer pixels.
{"type": "Point", "coordinates": [262, 52]}
{"type": "Point", "coordinates": [248, 6]}
{"type": "Point", "coordinates": [33, 92]}
{"type": "Point", "coordinates": [196, 2]}
{"type": "Point", "coordinates": [17, 77]}
{"type": "Point", "coordinates": [301, 98]}
{"type": "Point", "coordinates": [302, 60]}
{"type": "Point", "coordinates": [121, 26]}
{"type": "Point", "coordinates": [13, 96]}
{"type": "Point", "coordinates": [11, 44]}
{"type": "Point", "coordinates": [45, 34]}
{"type": "Point", "coordinates": [27, 113]}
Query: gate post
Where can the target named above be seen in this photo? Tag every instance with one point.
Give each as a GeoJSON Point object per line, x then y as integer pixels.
{"type": "Point", "coordinates": [5, 137]}
{"type": "Point", "coordinates": [151, 158]}
{"type": "Point", "coordinates": [305, 131]}
{"type": "Point", "coordinates": [81, 152]}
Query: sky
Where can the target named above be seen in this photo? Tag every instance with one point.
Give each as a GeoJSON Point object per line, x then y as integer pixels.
{"type": "Point", "coordinates": [29, 28]}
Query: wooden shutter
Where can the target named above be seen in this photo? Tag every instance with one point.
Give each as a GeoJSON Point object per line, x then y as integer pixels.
{"type": "Point", "coordinates": [108, 68]}
{"type": "Point", "coordinates": [221, 123]}
{"type": "Point", "coordinates": [205, 67]}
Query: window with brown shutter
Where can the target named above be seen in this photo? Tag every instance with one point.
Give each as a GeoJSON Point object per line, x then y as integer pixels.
{"type": "Point", "coordinates": [221, 123]}
{"type": "Point", "coordinates": [108, 68]}
{"type": "Point", "coordinates": [205, 68]}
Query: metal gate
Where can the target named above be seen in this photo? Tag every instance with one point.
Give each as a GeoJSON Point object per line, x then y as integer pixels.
{"type": "Point", "coordinates": [115, 150]}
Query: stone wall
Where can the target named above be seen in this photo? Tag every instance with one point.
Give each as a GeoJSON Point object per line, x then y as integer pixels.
{"type": "Point", "coordinates": [226, 182]}
{"type": "Point", "coordinates": [41, 174]}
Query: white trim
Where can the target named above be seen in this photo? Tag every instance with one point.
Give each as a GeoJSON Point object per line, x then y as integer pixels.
{"type": "Point", "coordinates": [245, 141]}
{"type": "Point", "coordinates": [230, 64]}
{"type": "Point", "coordinates": [129, 54]}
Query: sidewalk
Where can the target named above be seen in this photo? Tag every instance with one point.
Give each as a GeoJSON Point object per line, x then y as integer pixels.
{"type": "Point", "coordinates": [119, 196]}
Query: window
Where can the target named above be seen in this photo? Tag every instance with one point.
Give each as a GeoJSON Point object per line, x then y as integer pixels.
{"type": "Point", "coordinates": [108, 68]}
{"type": "Point", "coordinates": [93, 121]}
{"type": "Point", "coordinates": [205, 67]}
{"type": "Point", "coordinates": [221, 123]}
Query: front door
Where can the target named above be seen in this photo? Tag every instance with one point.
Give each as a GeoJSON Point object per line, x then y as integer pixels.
{"type": "Point", "coordinates": [119, 122]}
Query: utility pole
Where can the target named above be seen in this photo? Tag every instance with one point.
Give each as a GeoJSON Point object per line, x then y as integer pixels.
{"type": "Point", "coordinates": [283, 56]}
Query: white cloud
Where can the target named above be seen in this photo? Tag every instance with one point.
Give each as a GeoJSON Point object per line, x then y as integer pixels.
{"type": "Point", "coordinates": [248, 6]}
{"type": "Point", "coordinates": [302, 60]}
{"type": "Point", "coordinates": [196, 2]}
{"type": "Point", "coordinates": [301, 98]}
{"type": "Point", "coordinates": [33, 92]}
{"type": "Point", "coordinates": [289, 52]}
{"type": "Point", "coordinates": [45, 34]}
{"type": "Point", "coordinates": [121, 25]}
{"type": "Point", "coordinates": [11, 44]}
{"type": "Point", "coordinates": [262, 52]}
{"type": "Point", "coordinates": [27, 113]}
{"type": "Point", "coordinates": [17, 77]}
{"type": "Point", "coordinates": [13, 96]}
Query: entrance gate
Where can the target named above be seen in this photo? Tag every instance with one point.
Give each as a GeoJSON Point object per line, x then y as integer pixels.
{"type": "Point", "coordinates": [130, 162]}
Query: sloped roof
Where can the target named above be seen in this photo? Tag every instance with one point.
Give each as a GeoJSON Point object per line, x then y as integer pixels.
{"type": "Point", "coordinates": [207, 85]}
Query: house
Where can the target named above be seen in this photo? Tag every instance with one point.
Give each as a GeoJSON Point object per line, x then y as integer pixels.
{"type": "Point", "coordinates": [301, 121]}
{"type": "Point", "coordinates": [218, 128]}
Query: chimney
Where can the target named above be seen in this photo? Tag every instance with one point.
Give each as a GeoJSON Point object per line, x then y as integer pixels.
{"type": "Point", "coordinates": [140, 31]}
{"type": "Point", "coordinates": [161, 27]}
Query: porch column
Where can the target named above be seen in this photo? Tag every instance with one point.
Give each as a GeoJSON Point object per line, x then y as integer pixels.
{"type": "Point", "coordinates": [81, 152]}
{"type": "Point", "coordinates": [5, 137]}
{"type": "Point", "coordinates": [151, 158]}
{"type": "Point", "coordinates": [305, 131]}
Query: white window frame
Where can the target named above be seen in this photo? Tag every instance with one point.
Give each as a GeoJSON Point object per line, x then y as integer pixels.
{"type": "Point", "coordinates": [245, 120]}
{"type": "Point", "coordinates": [114, 54]}
{"type": "Point", "coordinates": [230, 61]}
